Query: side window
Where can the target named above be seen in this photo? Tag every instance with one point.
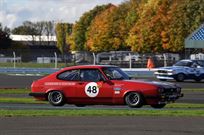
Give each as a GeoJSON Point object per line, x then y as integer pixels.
{"type": "Point", "coordinates": [200, 63]}
{"type": "Point", "coordinates": [70, 75]}
{"type": "Point", "coordinates": [90, 75]}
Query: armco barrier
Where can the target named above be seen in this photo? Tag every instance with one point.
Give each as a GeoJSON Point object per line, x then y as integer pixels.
{"type": "Point", "coordinates": [134, 72]}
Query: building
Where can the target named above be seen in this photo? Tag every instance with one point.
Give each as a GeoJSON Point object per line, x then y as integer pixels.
{"type": "Point", "coordinates": [33, 47]}
{"type": "Point", "coordinates": [35, 40]}
{"type": "Point", "coordinates": [194, 43]}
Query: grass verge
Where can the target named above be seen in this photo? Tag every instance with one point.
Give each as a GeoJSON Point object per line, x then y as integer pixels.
{"type": "Point", "coordinates": [20, 100]}
{"type": "Point", "coordinates": [14, 91]}
{"type": "Point", "coordinates": [35, 113]}
{"type": "Point", "coordinates": [33, 101]}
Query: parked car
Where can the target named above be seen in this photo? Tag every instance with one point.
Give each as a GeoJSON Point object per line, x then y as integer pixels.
{"type": "Point", "coordinates": [106, 85]}
{"type": "Point", "coordinates": [182, 70]}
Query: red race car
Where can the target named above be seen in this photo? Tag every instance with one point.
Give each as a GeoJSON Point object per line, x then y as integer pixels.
{"type": "Point", "coordinates": [102, 85]}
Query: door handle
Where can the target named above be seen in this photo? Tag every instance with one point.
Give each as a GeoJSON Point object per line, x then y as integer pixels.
{"type": "Point", "coordinates": [80, 83]}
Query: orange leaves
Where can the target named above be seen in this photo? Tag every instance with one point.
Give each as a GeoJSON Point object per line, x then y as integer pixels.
{"type": "Point", "coordinates": [142, 26]}
{"type": "Point", "coordinates": [98, 36]}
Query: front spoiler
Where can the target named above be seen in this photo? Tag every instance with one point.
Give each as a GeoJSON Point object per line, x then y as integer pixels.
{"type": "Point", "coordinates": [165, 77]}
{"type": "Point", "coordinates": [165, 98]}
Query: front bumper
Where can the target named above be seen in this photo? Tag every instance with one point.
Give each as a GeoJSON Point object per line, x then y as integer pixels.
{"type": "Point", "coordinates": [165, 76]}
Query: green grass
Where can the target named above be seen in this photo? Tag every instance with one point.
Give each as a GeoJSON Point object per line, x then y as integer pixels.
{"type": "Point", "coordinates": [35, 65]}
{"type": "Point", "coordinates": [184, 105]}
{"type": "Point", "coordinates": [20, 100]}
{"type": "Point", "coordinates": [14, 91]}
{"type": "Point", "coordinates": [193, 90]}
{"type": "Point", "coordinates": [33, 101]}
{"type": "Point", "coordinates": [100, 112]}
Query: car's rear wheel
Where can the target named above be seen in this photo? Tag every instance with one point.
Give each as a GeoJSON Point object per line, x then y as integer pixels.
{"type": "Point", "coordinates": [134, 100]}
{"type": "Point", "coordinates": [180, 77]}
{"type": "Point", "coordinates": [56, 98]}
{"type": "Point", "coordinates": [158, 106]}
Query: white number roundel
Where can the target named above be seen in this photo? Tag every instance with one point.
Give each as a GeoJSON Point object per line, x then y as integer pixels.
{"type": "Point", "coordinates": [91, 89]}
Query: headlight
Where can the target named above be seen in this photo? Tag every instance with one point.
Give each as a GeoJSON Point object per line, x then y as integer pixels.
{"type": "Point", "coordinates": [172, 72]}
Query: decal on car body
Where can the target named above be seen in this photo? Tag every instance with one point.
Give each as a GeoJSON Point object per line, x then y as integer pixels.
{"type": "Point", "coordinates": [60, 83]}
{"type": "Point", "coordinates": [92, 89]}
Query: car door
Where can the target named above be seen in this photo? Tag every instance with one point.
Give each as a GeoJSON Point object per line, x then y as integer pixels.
{"type": "Point", "coordinates": [92, 89]}
{"type": "Point", "coordinates": [67, 82]}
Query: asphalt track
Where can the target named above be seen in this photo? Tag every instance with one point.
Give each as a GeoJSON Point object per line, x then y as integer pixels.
{"type": "Point", "coordinates": [137, 125]}
{"type": "Point", "coordinates": [11, 81]}
{"type": "Point", "coordinates": [101, 125]}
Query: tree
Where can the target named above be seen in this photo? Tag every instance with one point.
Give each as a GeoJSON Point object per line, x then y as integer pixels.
{"type": "Point", "coordinates": [121, 21]}
{"type": "Point", "coordinates": [79, 36]}
{"type": "Point", "coordinates": [5, 41]}
{"type": "Point", "coordinates": [63, 31]}
{"type": "Point", "coordinates": [186, 16]}
{"type": "Point", "coordinates": [49, 30]}
{"type": "Point", "coordinates": [98, 36]}
{"type": "Point", "coordinates": [144, 36]}
{"type": "Point", "coordinates": [28, 28]}
{"type": "Point", "coordinates": [36, 29]}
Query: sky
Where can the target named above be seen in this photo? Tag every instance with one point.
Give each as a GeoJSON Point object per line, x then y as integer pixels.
{"type": "Point", "coordinates": [14, 12]}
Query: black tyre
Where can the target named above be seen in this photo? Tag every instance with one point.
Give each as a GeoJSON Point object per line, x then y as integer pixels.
{"type": "Point", "coordinates": [158, 106]}
{"type": "Point", "coordinates": [56, 98]}
{"type": "Point", "coordinates": [134, 100]}
{"type": "Point", "coordinates": [180, 77]}
{"type": "Point", "coordinates": [162, 79]}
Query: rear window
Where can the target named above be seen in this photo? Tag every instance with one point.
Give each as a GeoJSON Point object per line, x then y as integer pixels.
{"type": "Point", "coordinates": [70, 75]}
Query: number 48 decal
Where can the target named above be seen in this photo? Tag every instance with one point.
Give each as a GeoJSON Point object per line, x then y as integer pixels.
{"type": "Point", "coordinates": [91, 89]}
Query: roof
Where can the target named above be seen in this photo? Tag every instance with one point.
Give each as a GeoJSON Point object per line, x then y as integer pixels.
{"type": "Point", "coordinates": [89, 66]}
{"type": "Point", "coordinates": [199, 34]}
{"type": "Point", "coordinates": [196, 39]}
{"type": "Point", "coordinates": [31, 38]}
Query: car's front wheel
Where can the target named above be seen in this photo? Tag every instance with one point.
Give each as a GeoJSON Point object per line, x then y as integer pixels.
{"type": "Point", "coordinates": [134, 100]}
{"type": "Point", "coordinates": [56, 98]}
{"type": "Point", "coordinates": [180, 77]}
{"type": "Point", "coordinates": [158, 106]}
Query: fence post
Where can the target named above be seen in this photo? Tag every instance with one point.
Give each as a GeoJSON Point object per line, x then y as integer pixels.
{"type": "Point", "coordinates": [14, 60]}
{"type": "Point", "coordinates": [130, 60]}
{"type": "Point", "coordinates": [55, 60]}
{"type": "Point", "coordinates": [165, 60]}
{"type": "Point", "coordinates": [94, 59]}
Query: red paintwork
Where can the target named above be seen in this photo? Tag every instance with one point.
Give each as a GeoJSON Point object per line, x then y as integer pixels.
{"type": "Point", "coordinates": [75, 94]}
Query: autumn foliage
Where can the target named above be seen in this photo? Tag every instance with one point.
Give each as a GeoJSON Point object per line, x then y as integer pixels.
{"type": "Point", "coordinates": [138, 25]}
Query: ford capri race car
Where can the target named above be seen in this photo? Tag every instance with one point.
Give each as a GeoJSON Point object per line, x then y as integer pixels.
{"type": "Point", "coordinates": [102, 85]}
{"type": "Point", "coordinates": [182, 70]}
